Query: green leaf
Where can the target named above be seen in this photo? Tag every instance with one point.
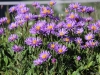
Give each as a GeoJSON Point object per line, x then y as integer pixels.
{"type": "Point", "coordinates": [76, 73]}
{"type": "Point", "coordinates": [6, 60]}
{"type": "Point", "coordinates": [90, 64]}
{"type": "Point", "coordinates": [29, 72]}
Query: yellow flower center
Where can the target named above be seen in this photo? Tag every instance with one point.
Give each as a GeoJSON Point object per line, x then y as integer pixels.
{"type": "Point", "coordinates": [44, 10]}
{"type": "Point", "coordinates": [48, 11]}
{"type": "Point", "coordinates": [67, 39]}
{"type": "Point", "coordinates": [13, 9]}
{"type": "Point", "coordinates": [93, 27]}
{"type": "Point", "coordinates": [44, 56]}
{"type": "Point", "coordinates": [60, 50]}
{"type": "Point", "coordinates": [75, 6]}
{"type": "Point", "coordinates": [20, 6]}
{"type": "Point", "coordinates": [78, 32]}
{"type": "Point", "coordinates": [83, 10]}
{"type": "Point", "coordinates": [78, 42]}
{"type": "Point", "coordinates": [72, 16]}
{"type": "Point", "coordinates": [50, 27]}
{"type": "Point", "coordinates": [27, 17]}
{"type": "Point", "coordinates": [93, 43]}
{"type": "Point", "coordinates": [37, 27]}
{"type": "Point", "coordinates": [23, 11]}
{"type": "Point", "coordinates": [89, 37]}
{"type": "Point", "coordinates": [61, 33]}
{"type": "Point", "coordinates": [52, 45]}
{"type": "Point", "coordinates": [69, 25]}
{"type": "Point", "coordinates": [34, 41]}
{"type": "Point", "coordinates": [51, 3]}
{"type": "Point", "coordinates": [13, 25]}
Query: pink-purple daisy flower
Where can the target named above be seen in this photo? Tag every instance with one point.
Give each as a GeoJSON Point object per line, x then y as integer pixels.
{"type": "Point", "coordinates": [89, 36]}
{"type": "Point", "coordinates": [1, 31]}
{"type": "Point", "coordinates": [17, 48]}
{"type": "Point", "coordinates": [62, 32]}
{"type": "Point", "coordinates": [52, 45]}
{"type": "Point", "coordinates": [36, 4]}
{"type": "Point", "coordinates": [78, 40]}
{"type": "Point", "coordinates": [52, 2]}
{"type": "Point", "coordinates": [93, 27]}
{"type": "Point", "coordinates": [38, 62]}
{"type": "Point", "coordinates": [13, 25]}
{"type": "Point", "coordinates": [13, 37]}
{"type": "Point", "coordinates": [34, 42]}
{"type": "Point", "coordinates": [3, 20]}
{"type": "Point", "coordinates": [61, 49]}
{"type": "Point", "coordinates": [12, 9]}
{"type": "Point", "coordinates": [74, 6]}
{"type": "Point", "coordinates": [38, 27]}
{"type": "Point", "coordinates": [44, 55]}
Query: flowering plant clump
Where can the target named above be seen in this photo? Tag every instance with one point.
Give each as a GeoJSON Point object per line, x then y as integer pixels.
{"type": "Point", "coordinates": [53, 45]}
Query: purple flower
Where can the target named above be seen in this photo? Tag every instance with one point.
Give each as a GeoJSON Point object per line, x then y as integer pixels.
{"type": "Point", "coordinates": [17, 48]}
{"type": "Point", "coordinates": [89, 10]}
{"type": "Point", "coordinates": [38, 62]}
{"type": "Point", "coordinates": [67, 39]}
{"type": "Point", "coordinates": [98, 23]}
{"type": "Point", "coordinates": [92, 43]}
{"type": "Point", "coordinates": [52, 45]}
{"type": "Point", "coordinates": [12, 37]}
{"type": "Point", "coordinates": [84, 46]}
{"type": "Point", "coordinates": [74, 6]}
{"type": "Point", "coordinates": [78, 58]}
{"type": "Point", "coordinates": [12, 9]}
{"type": "Point", "coordinates": [23, 10]}
{"type": "Point", "coordinates": [28, 16]}
{"type": "Point", "coordinates": [80, 24]}
{"type": "Point", "coordinates": [61, 32]}
{"type": "Point", "coordinates": [93, 27]}
{"type": "Point", "coordinates": [49, 28]}
{"type": "Point", "coordinates": [35, 17]}
{"type": "Point", "coordinates": [38, 27]}
{"type": "Point", "coordinates": [52, 2]}
{"type": "Point", "coordinates": [34, 42]}
{"type": "Point", "coordinates": [13, 25]}
{"type": "Point", "coordinates": [73, 16]}
{"type": "Point", "coordinates": [60, 25]}
{"type": "Point", "coordinates": [44, 55]}
{"type": "Point", "coordinates": [21, 5]}
{"type": "Point", "coordinates": [20, 22]}
{"type": "Point", "coordinates": [36, 4]}
{"type": "Point", "coordinates": [3, 20]}
{"type": "Point", "coordinates": [89, 36]}
{"type": "Point", "coordinates": [82, 9]}
{"type": "Point", "coordinates": [19, 16]}
{"type": "Point", "coordinates": [79, 31]}
{"type": "Point", "coordinates": [53, 60]}
{"type": "Point", "coordinates": [78, 40]}
{"type": "Point", "coordinates": [61, 49]}
{"type": "Point", "coordinates": [46, 11]}
{"type": "Point", "coordinates": [69, 25]}
{"type": "Point", "coordinates": [88, 19]}
{"type": "Point", "coordinates": [1, 31]}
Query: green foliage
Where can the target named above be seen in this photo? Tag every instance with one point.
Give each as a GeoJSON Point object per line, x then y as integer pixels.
{"type": "Point", "coordinates": [21, 63]}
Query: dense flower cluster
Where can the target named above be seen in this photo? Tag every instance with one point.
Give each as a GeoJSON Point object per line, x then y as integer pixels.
{"type": "Point", "coordinates": [50, 32]}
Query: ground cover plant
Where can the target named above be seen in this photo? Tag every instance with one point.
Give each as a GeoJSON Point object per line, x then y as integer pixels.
{"type": "Point", "coordinates": [53, 45]}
